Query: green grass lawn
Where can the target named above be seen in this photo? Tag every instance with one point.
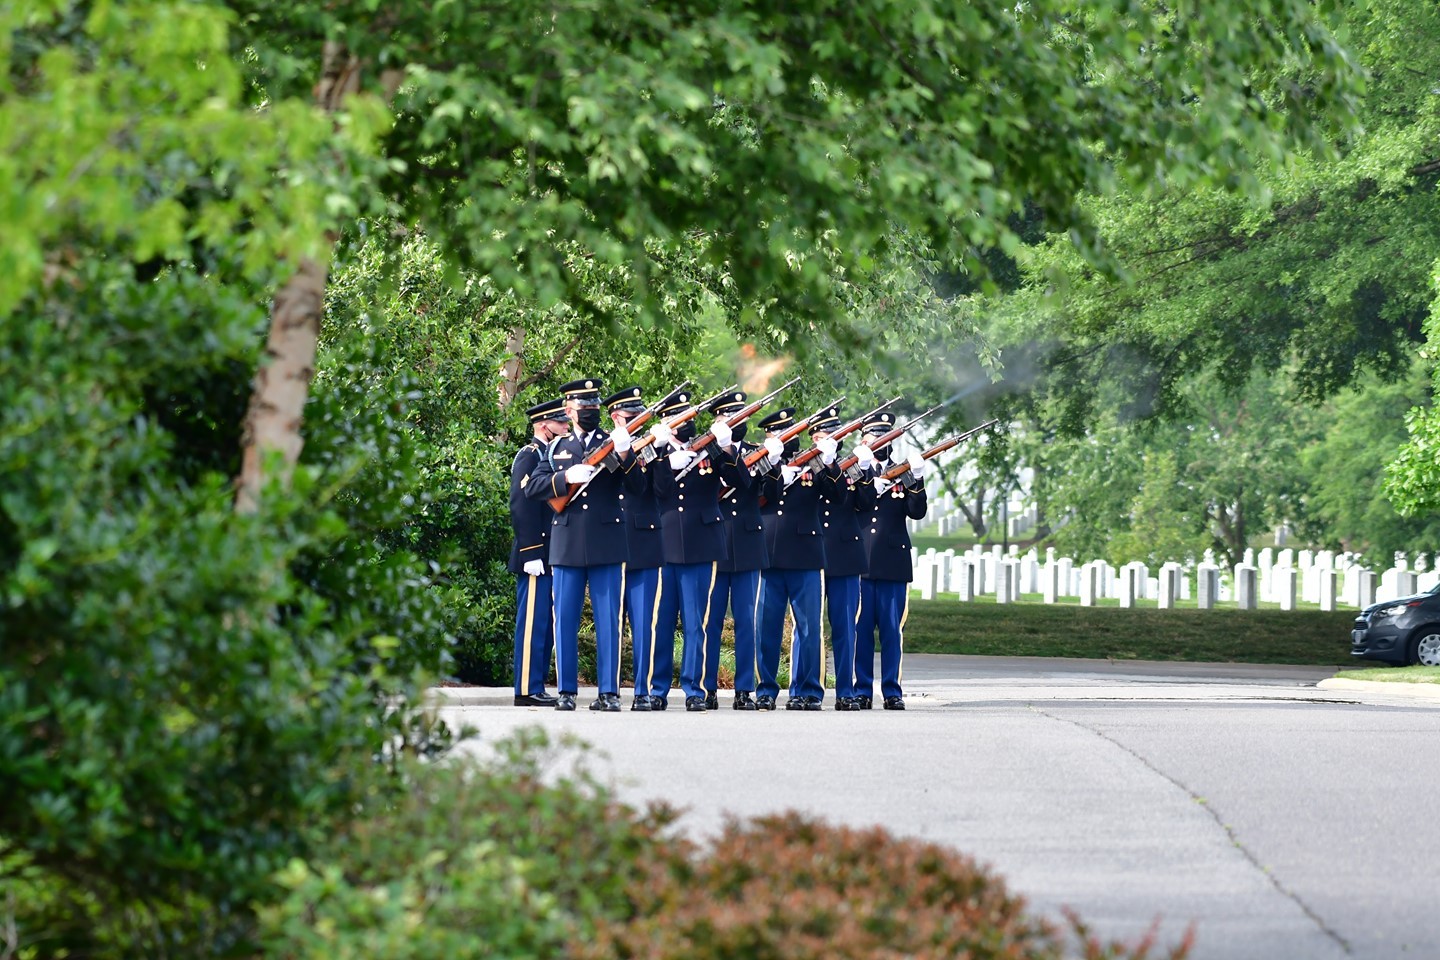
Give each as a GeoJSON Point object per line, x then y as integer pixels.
{"type": "Point", "coordinates": [1111, 632]}
{"type": "Point", "coordinates": [1398, 674]}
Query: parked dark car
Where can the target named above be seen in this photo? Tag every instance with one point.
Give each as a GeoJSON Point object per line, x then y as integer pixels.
{"type": "Point", "coordinates": [1401, 632]}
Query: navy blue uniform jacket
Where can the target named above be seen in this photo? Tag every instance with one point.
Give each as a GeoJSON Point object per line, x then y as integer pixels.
{"type": "Point", "coordinates": [845, 552]}
{"type": "Point", "coordinates": [744, 532]}
{"type": "Point", "coordinates": [529, 519]}
{"type": "Point", "coordinates": [591, 531]}
{"type": "Point", "coordinates": [792, 516]}
{"type": "Point", "coordinates": [642, 522]}
{"type": "Point", "coordinates": [885, 535]}
{"type": "Point", "coordinates": [690, 507]}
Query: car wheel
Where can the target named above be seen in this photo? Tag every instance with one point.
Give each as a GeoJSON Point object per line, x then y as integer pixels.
{"type": "Point", "coordinates": [1425, 648]}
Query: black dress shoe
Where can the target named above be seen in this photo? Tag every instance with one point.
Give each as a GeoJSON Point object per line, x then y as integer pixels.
{"type": "Point", "coordinates": [795, 703]}
{"type": "Point", "coordinates": [810, 703]}
{"type": "Point", "coordinates": [894, 703]}
{"type": "Point", "coordinates": [603, 703]}
{"type": "Point", "coordinates": [712, 701]}
{"type": "Point", "coordinates": [566, 701]}
{"type": "Point", "coordinates": [694, 704]}
{"type": "Point", "coordinates": [541, 699]}
{"type": "Point", "coordinates": [764, 702]}
{"type": "Point", "coordinates": [743, 700]}
{"type": "Point", "coordinates": [640, 703]}
{"type": "Point", "coordinates": [864, 703]}
{"type": "Point", "coordinates": [846, 703]}
{"type": "Point", "coordinates": [658, 703]}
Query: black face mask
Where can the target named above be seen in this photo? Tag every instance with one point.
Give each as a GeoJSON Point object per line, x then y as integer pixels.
{"type": "Point", "coordinates": [883, 454]}
{"type": "Point", "coordinates": [685, 432]}
{"type": "Point", "coordinates": [588, 419]}
{"type": "Point", "coordinates": [738, 432]}
{"type": "Point", "coordinates": [792, 450]}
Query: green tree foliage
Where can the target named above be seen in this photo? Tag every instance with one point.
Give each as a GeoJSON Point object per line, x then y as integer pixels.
{"type": "Point", "coordinates": [1326, 278]}
{"type": "Point", "coordinates": [780, 136]}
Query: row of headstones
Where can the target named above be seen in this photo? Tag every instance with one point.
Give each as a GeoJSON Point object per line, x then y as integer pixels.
{"type": "Point", "coordinates": [1008, 576]}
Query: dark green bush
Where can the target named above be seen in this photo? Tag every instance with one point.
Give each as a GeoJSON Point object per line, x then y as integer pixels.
{"type": "Point", "coordinates": [184, 692]}
{"type": "Point", "coordinates": [518, 859]}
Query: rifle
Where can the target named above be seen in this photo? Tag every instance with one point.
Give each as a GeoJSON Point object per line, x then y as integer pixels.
{"type": "Point", "coordinates": [849, 428]}
{"type": "Point", "coordinates": [734, 420]}
{"type": "Point", "coordinates": [849, 462]}
{"type": "Point", "coordinates": [793, 431]}
{"type": "Point", "coordinates": [606, 451]}
{"type": "Point", "coordinates": [900, 469]}
{"type": "Point", "coordinates": [685, 416]}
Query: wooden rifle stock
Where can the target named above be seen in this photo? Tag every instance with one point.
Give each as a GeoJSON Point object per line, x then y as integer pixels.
{"type": "Point", "coordinates": [740, 416]}
{"type": "Point", "coordinates": [840, 434]}
{"type": "Point", "coordinates": [885, 438]}
{"type": "Point", "coordinates": [602, 452]}
{"type": "Point", "coordinates": [900, 469]}
{"type": "Point", "coordinates": [794, 430]}
{"type": "Point", "coordinates": [680, 419]}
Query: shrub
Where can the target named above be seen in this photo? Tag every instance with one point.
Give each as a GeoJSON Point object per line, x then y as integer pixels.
{"type": "Point", "coordinates": [185, 692]}
{"type": "Point", "coordinates": [517, 859]}
{"type": "Point", "coordinates": [790, 888]}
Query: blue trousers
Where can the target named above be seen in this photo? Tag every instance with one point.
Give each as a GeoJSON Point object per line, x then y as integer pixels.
{"type": "Point", "coordinates": [640, 590]}
{"type": "Point", "coordinates": [697, 583]}
{"type": "Point", "coordinates": [842, 606]}
{"type": "Point", "coordinates": [534, 633]}
{"type": "Point", "coordinates": [661, 671]}
{"type": "Point", "coordinates": [607, 584]}
{"type": "Point", "coordinates": [883, 607]}
{"type": "Point", "coordinates": [799, 591]}
{"type": "Point", "coordinates": [740, 592]}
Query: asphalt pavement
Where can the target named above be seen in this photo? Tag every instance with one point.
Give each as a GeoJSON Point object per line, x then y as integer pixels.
{"type": "Point", "coordinates": [1276, 813]}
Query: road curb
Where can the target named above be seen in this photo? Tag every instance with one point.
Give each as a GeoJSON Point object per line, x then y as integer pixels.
{"type": "Point", "coordinates": [1419, 691]}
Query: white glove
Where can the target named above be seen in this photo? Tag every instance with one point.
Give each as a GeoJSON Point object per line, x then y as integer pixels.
{"type": "Point", "coordinates": [917, 465]}
{"type": "Point", "coordinates": [827, 447]}
{"type": "Point", "coordinates": [534, 568]}
{"type": "Point", "coordinates": [621, 439]}
{"type": "Point", "coordinates": [580, 473]}
{"type": "Point", "coordinates": [864, 457]}
{"type": "Point", "coordinates": [774, 447]}
{"type": "Point", "coordinates": [882, 486]}
{"type": "Point", "coordinates": [681, 458]}
{"type": "Point", "coordinates": [788, 474]}
{"type": "Point", "coordinates": [661, 433]}
{"type": "Point", "coordinates": [722, 433]}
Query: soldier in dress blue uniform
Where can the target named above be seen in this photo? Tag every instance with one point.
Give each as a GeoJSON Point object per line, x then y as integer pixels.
{"type": "Point", "coordinates": [687, 485]}
{"type": "Point", "coordinates": [885, 590]}
{"type": "Point", "coordinates": [791, 515]}
{"type": "Point", "coordinates": [642, 535]}
{"type": "Point", "coordinates": [587, 541]}
{"type": "Point", "coordinates": [845, 560]}
{"type": "Point", "coordinates": [737, 584]}
{"type": "Point", "coordinates": [529, 559]}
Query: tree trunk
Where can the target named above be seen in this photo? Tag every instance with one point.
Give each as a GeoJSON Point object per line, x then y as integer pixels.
{"type": "Point", "coordinates": [513, 366]}
{"type": "Point", "coordinates": [282, 383]}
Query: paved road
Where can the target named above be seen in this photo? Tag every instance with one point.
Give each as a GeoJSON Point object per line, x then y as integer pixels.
{"type": "Point", "coordinates": [1279, 819]}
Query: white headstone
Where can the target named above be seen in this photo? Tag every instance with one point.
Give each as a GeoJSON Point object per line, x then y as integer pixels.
{"type": "Point", "coordinates": [1246, 597]}
{"type": "Point", "coordinates": [1207, 586]}
{"type": "Point", "coordinates": [1050, 582]}
{"type": "Point", "coordinates": [965, 579]}
{"type": "Point", "coordinates": [1169, 585]}
{"type": "Point", "coordinates": [1089, 583]}
{"type": "Point", "coordinates": [1327, 589]}
{"type": "Point", "coordinates": [1005, 582]}
{"type": "Point", "coordinates": [1285, 587]}
{"type": "Point", "coordinates": [1365, 588]}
